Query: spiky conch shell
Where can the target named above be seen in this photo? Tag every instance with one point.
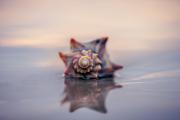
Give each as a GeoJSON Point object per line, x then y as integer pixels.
{"type": "Point", "coordinates": [102, 66]}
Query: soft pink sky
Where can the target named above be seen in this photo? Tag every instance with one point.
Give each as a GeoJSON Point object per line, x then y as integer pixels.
{"type": "Point", "coordinates": [130, 24]}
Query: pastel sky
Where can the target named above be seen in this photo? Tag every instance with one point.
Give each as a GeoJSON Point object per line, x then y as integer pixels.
{"type": "Point", "coordinates": [130, 24]}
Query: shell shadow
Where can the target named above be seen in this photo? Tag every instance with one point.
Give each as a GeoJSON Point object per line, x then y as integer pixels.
{"type": "Point", "coordinates": [88, 93]}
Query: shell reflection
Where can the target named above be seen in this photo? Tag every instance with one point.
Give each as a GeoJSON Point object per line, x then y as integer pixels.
{"type": "Point", "coordinates": [88, 94]}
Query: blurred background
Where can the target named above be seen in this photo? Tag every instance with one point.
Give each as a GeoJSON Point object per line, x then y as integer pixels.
{"type": "Point", "coordinates": [131, 25]}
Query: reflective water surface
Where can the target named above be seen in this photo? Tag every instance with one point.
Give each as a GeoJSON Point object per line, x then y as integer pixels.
{"type": "Point", "coordinates": [32, 86]}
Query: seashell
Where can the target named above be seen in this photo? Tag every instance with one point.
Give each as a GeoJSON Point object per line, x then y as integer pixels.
{"type": "Point", "coordinates": [89, 60]}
